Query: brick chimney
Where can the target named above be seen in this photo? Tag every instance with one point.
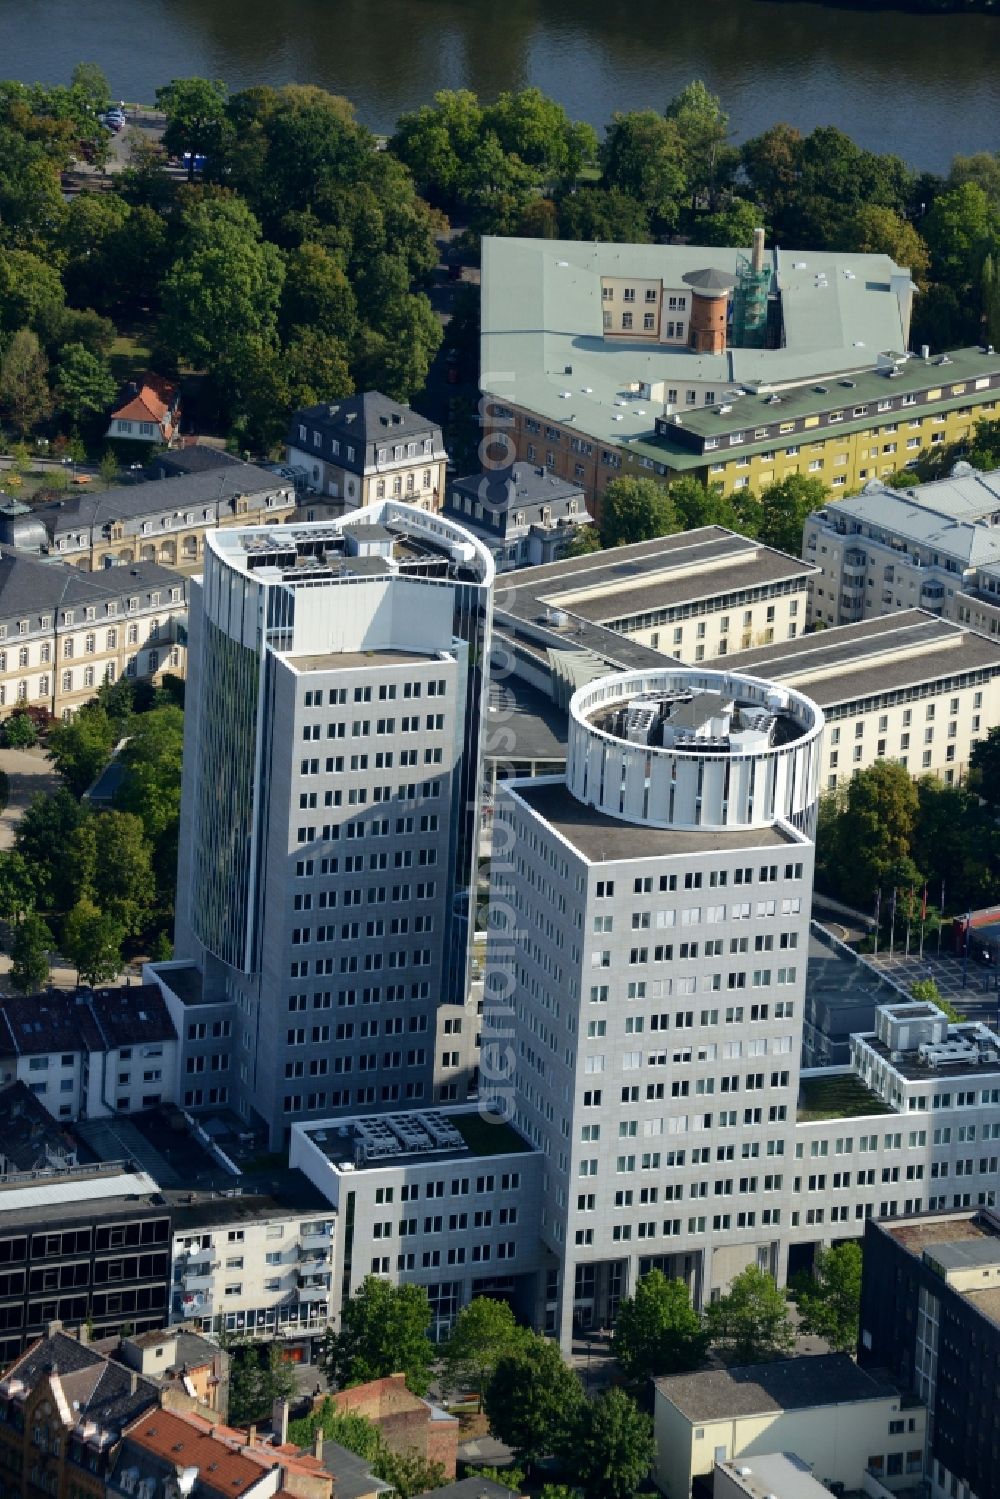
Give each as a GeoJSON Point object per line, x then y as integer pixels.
{"type": "Point", "coordinates": [318, 1444]}
{"type": "Point", "coordinates": [279, 1421]}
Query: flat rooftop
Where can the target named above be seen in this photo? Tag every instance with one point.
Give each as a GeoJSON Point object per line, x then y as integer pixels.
{"type": "Point", "coordinates": [762, 1389]}
{"type": "Point", "coordinates": [81, 1196]}
{"type": "Point", "coordinates": [566, 606]}
{"type": "Point", "coordinates": [838, 1095]}
{"type": "Point", "coordinates": [542, 326]}
{"type": "Point", "coordinates": [187, 981]}
{"type": "Point", "coordinates": [774, 1475]}
{"type": "Point", "coordinates": [346, 660]}
{"type": "Point", "coordinates": [599, 837]}
{"type": "Point", "coordinates": [523, 723]}
{"type": "Point", "coordinates": [913, 1068]}
{"type": "Point", "coordinates": [201, 1209]}
{"type": "Point", "coordinates": [918, 1234]}
{"type": "Point", "coordinates": [849, 662]}
{"type": "Point", "coordinates": [420, 1137]}
{"type": "Point", "coordinates": [752, 567]}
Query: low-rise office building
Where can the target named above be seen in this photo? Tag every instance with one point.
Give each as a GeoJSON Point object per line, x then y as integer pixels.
{"type": "Point", "coordinates": [450, 1200]}
{"type": "Point", "coordinates": [693, 597]}
{"type": "Point", "coordinates": [935, 546]}
{"type": "Point", "coordinates": [912, 688]}
{"type": "Point", "coordinates": [522, 513]}
{"type": "Point", "coordinates": [739, 368]}
{"type": "Point", "coordinates": [930, 1313]}
{"type": "Point", "coordinates": [64, 631]}
{"type": "Point", "coordinates": [365, 448]}
{"type": "Point", "coordinates": [83, 1244]}
{"type": "Point", "coordinates": [834, 1416]}
{"type": "Point", "coordinates": [154, 521]}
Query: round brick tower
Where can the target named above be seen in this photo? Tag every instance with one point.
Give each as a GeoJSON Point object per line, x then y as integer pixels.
{"type": "Point", "coordinates": [709, 310]}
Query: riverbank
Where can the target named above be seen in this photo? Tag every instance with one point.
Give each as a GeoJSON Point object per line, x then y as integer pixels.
{"type": "Point", "coordinates": [915, 7]}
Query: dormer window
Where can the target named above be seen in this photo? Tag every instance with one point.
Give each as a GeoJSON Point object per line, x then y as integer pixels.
{"type": "Point", "coordinates": [397, 451]}
{"type": "Point", "coordinates": [428, 445]}
{"type": "Point", "coordinates": [383, 455]}
{"type": "Point", "coordinates": [350, 454]}
{"type": "Point", "coordinates": [302, 433]}
{"type": "Point", "coordinates": [334, 447]}
{"type": "Point", "coordinates": [22, 627]}
{"type": "Point", "coordinates": [317, 439]}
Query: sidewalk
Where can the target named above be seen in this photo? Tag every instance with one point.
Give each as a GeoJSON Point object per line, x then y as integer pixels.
{"type": "Point", "coordinates": [30, 772]}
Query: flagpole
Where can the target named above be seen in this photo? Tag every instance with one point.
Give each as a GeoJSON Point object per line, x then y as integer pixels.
{"type": "Point", "coordinates": [923, 918]}
{"type": "Point", "coordinates": [941, 919]}
{"type": "Point", "coordinates": [909, 918]}
{"type": "Point", "coordinates": [892, 925]}
{"type": "Point", "coordinates": [878, 913]}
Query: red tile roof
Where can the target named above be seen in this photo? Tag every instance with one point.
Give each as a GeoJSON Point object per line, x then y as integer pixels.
{"type": "Point", "coordinates": [152, 400]}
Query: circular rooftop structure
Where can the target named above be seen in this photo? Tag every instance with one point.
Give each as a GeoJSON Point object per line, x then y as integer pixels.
{"type": "Point", "coordinates": [689, 748]}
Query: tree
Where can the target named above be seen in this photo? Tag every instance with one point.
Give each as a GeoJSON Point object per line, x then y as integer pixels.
{"type": "Point", "coordinates": [258, 1375]}
{"type": "Point", "coordinates": [19, 732]}
{"type": "Point", "coordinates": [437, 142]}
{"type": "Point", "coordinates": [784, 506]}
{"type": "Point", "coordinates": [17, 888]}
{"type": "Point", "coordinates": [151, 788]}
{"type": "Point", "coordinates": [108, 466]}
{"type": "Point", "coordinates": [829, 1301]}
{"type": "Point", "coordinates": [383, 1329]}
{"type": "Point", "coordinates": [658, 1331]}
{"type": "Point", "coordinates": [876, 829]}
{"type": "Point", "coordinates": [612, 1447]}
{"type": "Point", "coordinates": [635, 510]}
{"type": "Point", "coordinates": [41, 838]}
{"type": "Point", "coordinates": [29, 952]}
{"type": "Point", "coordinates": [195, 110]}
{"type": "Point", "coordinates": [881, 231]}
{"type": "Point", "coordinates": [84, 382]}
{"type": "Point", "coordinates": [533, 1399]}
{"type": "Point", "coordinates": [643, 156]}
{"type": "Point", "coordinates": [751, 1322]}
{"type": "Point", "coordinates": [960, 228]}
{"type": "Point", "coordinates": [484, 1331]}
{"type": "Point", "coordinates": [539, 132]}
{"type": "Point", "coordinates": [113, 864]}
{"type": "Point", "coordinates": [927, 991]}
{"type": "Point", "coordinates": [703, 128]}
{"type": "Point", "coordinates": [92, 940]}
{"type": "Point", "coordinates": [584, 541]}
{"type": "Point", "coordinates": [409, 1472]}
{"type": "Point", "coordinates": [24, 387]}
{"type": "Point", "coordinates": [223, 287]}
{"type": "Point", "coordinates": [984, 768]}
{"type": "Point", "coordinates": [733, 224]}
{"type": "Point", "coordinates": [604, 213]}
{"type": "Point", "coordinates": [81, 746]}
{"type": "Point", "coordinates": [90, 81]}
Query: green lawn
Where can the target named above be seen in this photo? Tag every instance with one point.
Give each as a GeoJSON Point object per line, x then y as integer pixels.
{"type": "Point", "coordinates": [487, 1136]}
{"type": "Point", "coordinates": [839, 1097]}
{"type": "Point", "coordinates": [130, 355]}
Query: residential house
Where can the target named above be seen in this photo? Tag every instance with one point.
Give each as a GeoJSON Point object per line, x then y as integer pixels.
{"type": "Point", "coordinates": [30, 1139]}
{"type": "Point", "coordinates": [148, 410]}
{"type": "Point", "coordinates": [522, 513]}
{"type": "Point", "coordinates": [366, 448]}
{"type": "Point", "coordinates": [92, 1054]}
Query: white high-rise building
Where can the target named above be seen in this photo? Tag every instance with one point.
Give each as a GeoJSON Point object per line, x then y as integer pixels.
{"type": "Point", "coordinates": [329, 811]}
{"type": "Point", "coordinates": [645, 976]}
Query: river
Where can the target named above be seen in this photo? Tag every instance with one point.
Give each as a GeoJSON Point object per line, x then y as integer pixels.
{"type": "Point", "coordinates": [926, 87]}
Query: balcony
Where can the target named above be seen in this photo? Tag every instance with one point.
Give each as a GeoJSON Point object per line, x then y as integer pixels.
{"type": "Point", "coordinates": [311, 1294]}
{"type": "Point", "coordinates": [312, 1259]}
{"type": "Point", "coordinates": [318, 1238]}
{"type": "Point", "coordinates": [199, 1277]}
{"type": "Point", "coordinates": [194, 1303]}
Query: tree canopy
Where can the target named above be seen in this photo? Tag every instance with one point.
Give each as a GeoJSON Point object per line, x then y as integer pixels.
{"type": "Point", "coordinates": [612, 1448]}
{"type": "Point", "coordinates": [829, 1300]}
{"type": "Point", "coordinates": [533, 1399]}
{"type": "Point", "coordinates": [383, 1330]}
{"type": "Point", "coordinates": [750, 1323]}
{"type": "Point", "coordinates": [658, 1331]}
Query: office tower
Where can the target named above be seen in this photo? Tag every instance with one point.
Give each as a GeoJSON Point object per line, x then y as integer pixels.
{"type": "Point", "coordinates": [329, 810]}
{"type": "Point", "coordinates": [644, 980]}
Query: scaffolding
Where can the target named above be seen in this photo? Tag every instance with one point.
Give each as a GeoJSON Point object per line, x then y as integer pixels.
{"type": "Point", "coordinates": [750, 305]}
